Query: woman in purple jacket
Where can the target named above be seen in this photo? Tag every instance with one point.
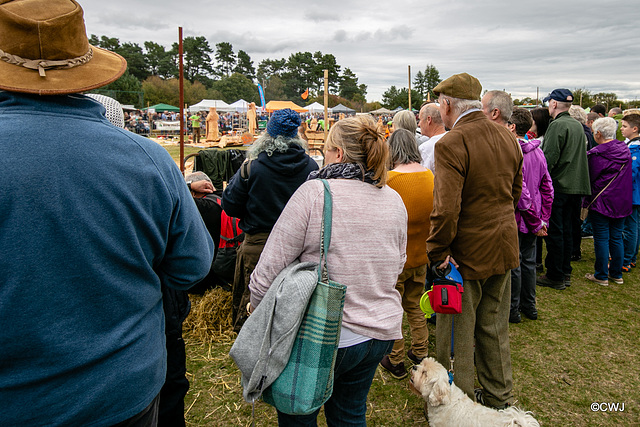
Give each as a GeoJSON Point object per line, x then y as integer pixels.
{"type": "Point", "coordinates": [610, 200]}
{"type": "Point", "coordinates": [532, 215]}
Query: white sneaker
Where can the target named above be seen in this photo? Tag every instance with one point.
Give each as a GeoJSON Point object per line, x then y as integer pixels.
{"type": "Point", "coordinates": [590, 276]}
{"type": "Point", "coordinates": [619, 281]}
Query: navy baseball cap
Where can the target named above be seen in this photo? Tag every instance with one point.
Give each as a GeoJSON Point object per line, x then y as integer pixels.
{"type": "Point", "coordinates": [561, 95]}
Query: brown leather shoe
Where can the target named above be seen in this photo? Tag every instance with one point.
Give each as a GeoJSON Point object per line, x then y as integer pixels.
{"type": "Point", "coordinates": [554, 284]}
{"type": "Point", "coordinates": [415, 359]}
{"type": "Point", "coordinates": [397, 371]}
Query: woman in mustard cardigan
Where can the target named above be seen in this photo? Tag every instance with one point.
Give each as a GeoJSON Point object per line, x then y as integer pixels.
{"type": "Point", "coordinates": [414, 183]}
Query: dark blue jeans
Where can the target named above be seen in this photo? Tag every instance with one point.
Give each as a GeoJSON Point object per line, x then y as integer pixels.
{"type": "Point", "coordinates": [523, 277]}
{"type": "Point", "coordinates": [631, 233]}
{"type": "Point", "coordinates": [607, 241]}
{"type": "Point", "coordinates": [353, 374]}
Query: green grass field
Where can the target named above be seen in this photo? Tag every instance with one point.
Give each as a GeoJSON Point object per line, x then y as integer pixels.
{"type": "Point", "coordinates": [583, 350]}
{"type": "Point", "coordinates": [174, 150]}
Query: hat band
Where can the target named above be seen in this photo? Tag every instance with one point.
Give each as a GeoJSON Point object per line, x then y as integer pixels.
{"type": "Point", "coordinates": [42, 64]}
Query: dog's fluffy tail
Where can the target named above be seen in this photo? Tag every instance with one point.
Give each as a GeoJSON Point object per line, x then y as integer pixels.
{"type": "Point", "coordinates": [520, 418]}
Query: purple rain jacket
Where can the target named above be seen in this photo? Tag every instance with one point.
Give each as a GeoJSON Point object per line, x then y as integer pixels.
{"type": "Point", "coordinates": [605, 161]}
{"type": "Point", "coordinates": [534, 206]}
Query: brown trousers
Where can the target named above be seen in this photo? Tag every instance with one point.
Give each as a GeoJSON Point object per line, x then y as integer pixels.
{"type": "Point", "coordinates": [247, 258]}
{"type": "Point", "coordinates": [410, 284]}
{"type": "Point", "coordinates": [196, 135]}
{"type": "Point", "coordinates": [485, 315]}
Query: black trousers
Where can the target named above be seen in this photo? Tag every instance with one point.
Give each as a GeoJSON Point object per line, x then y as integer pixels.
{"type": "Point", "coordinates": [560, 235]}
{"type": "Point", "coordinates": [148, 417]}
{"type": "Point", "coordinates": [176, 385]}
{"type": "Point", "coordinates": [176, 308]}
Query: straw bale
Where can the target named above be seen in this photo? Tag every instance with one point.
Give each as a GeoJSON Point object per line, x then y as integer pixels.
{"type": "Point", "coordinates": [210, 317]}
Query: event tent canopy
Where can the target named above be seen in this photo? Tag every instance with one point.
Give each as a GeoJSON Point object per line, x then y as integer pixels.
{"type": "Point", "coordinates": [281, 105]}
{"type": "Point", "coordinates": [342, 109]}
{"type": "Point", "coordinates": [162, 107]}
{"type": "Point", "coordinates": [316, 107]}
{"type": "Point", "coordinates": [205, 104]}
{"type": "Point", "coordinates": [241, 106]}
{"type": "Point", "coordinates": [381, 111]}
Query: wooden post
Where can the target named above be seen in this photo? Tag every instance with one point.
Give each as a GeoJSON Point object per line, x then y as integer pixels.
{"type": "Point", "coordinates": [537, 95]}
{"type": "Point", "coordinates": [181, 85]}
{"type": "Point", "coordinates": [326, 104]}
{"type": "Point", "coordinates": [410, 108]}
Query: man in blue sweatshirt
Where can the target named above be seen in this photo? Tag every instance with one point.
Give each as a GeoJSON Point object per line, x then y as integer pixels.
{"type": "Point", "coordinates": [93, 219]}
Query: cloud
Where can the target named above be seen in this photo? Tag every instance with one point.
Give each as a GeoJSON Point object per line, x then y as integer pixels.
{"type": "Point", "coordinates": [320, 16]}
{"type": "Point", "coordinates": [128, 23]}
{"type": "Point", "coordinates": [517, 46]}
{"type": "Point", "coordinates": [340, 36]}
{"type": "Point", "coordinates": [251, 44]}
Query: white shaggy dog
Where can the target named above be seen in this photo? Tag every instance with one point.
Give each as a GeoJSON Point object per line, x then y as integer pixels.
{"type": "Point", "coordinates": [447, 405]}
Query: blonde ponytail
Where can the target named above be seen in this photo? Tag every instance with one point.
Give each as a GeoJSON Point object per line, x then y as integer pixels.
{"type": "Point", "coordinates": [361, 143]}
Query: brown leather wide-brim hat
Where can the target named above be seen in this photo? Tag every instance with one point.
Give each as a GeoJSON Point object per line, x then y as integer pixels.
{"type": "Point", "coordinates": [44, 49]}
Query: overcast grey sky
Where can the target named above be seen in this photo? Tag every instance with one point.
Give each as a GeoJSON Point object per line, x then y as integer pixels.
{"type": "Point", "coordinates": [511, 45]}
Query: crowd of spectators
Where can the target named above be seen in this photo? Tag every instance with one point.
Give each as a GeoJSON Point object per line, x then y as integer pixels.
{"type": "Point", "coordinates": [101, 241]}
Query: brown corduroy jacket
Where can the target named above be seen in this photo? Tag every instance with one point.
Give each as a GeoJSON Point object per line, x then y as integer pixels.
{"type": "Point", "coordinates": [478, 181]}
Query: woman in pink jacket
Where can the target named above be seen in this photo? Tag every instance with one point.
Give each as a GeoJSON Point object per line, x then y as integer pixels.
{"type": "Point", "coordinates": [532, 215]}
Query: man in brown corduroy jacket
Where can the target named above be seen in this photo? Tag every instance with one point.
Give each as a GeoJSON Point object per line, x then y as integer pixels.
{"type": "Point", "coordinates": [478, 181]}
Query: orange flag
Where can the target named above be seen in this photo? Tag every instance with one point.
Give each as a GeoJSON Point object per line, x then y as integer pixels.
{"type": "Point", "coordinates": [305, 95]}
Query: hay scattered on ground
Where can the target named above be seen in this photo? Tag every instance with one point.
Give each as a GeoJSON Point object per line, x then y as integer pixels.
{"type": "Point", "coordinates": [210, 317]}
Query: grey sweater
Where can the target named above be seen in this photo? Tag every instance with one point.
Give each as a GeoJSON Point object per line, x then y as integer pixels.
{"type": "Point", "coordinates": [367, 252]}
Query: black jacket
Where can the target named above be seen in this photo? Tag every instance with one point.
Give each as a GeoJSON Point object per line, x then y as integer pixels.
{"type": "Point", "coordinates": [259, 199]}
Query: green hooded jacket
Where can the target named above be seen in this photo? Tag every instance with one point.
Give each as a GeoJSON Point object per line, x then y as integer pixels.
{"type": "Point", "coordinates": [565, 148]}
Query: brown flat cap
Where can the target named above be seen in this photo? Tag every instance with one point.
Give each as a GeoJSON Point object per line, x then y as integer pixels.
{"type": "Point", "coordinates": [463, 86]}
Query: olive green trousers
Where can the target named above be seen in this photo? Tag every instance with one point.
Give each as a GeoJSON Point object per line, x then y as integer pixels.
{"type": "Point", "coordinates": [485, 317]}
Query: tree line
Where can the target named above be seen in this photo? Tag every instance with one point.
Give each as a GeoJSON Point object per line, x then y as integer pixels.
{"type": "Point", "coordinates": [221, 73]}
{"type": "Point", "coordinates": [587, 99]}
{"type": "Point", "coordinates": [422, 90]}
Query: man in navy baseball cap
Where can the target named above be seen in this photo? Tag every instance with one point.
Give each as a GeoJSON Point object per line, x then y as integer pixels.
{"type": "Point", "coordinates": [561, 95]}
{"type": "Point", "coordinates": [565, 150]}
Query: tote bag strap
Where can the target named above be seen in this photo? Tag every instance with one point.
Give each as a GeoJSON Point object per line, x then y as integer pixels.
{"type": "Point", "coordinates": [325, 234]}
{"type": "Point", "coordinates": [607, 186]}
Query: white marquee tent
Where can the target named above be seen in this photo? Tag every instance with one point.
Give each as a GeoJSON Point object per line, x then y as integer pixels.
{"type": "Point", "coordinates": [381, 111]}
{"type": "Point", "coordinates": [241, 106]}
{"type": "Point", "coordinates": [205, 104]}
{"type": "Point", "coordinates": [316, 107]}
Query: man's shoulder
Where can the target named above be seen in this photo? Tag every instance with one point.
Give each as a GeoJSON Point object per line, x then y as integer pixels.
{"type": "Point", "coordinates": [473, 123]}
{"type": "Point", "coordinates": [122, 140]}
{"type": "Point", "coordinates": [565, 121]}
{"type": "Point", "coordinates": [436, 138]}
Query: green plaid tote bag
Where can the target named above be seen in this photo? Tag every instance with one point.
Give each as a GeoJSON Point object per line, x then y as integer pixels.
{"type": "Point", "coordinates": [306, 382]}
